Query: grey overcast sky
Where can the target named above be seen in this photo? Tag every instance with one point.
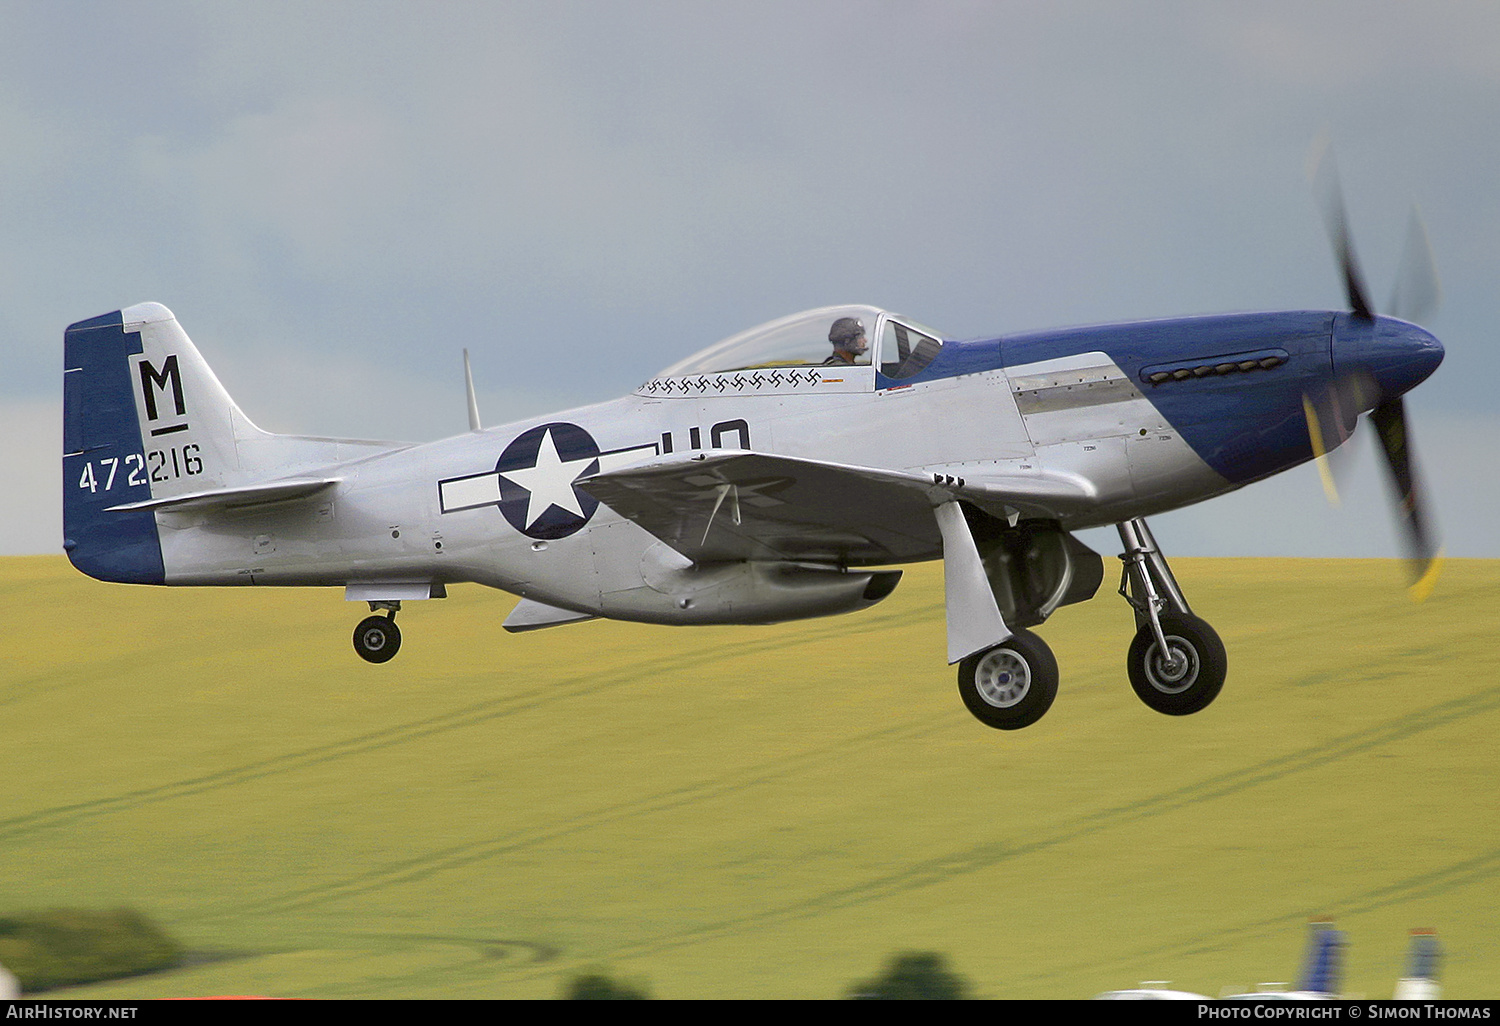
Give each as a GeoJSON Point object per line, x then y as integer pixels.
{"type": "Point", "coordinates": [336, 198]}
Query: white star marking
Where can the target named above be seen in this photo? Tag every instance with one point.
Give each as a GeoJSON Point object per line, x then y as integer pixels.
{"type": "Point", "coordinates": [550, 481]}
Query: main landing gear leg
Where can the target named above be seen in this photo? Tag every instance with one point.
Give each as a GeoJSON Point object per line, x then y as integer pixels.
{"type": "Point", "coordinates": [1176, 662]}
{"type": "Point", "coordinates": [377, 638]}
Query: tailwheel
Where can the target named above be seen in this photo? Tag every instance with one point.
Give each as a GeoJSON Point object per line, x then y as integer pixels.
{"type": "Point", "coordinates": [1188, 675]}
{"type": "Point", "coordinates": [1011, 685]}
{"type": "Point", "coordinates": [377, 638]}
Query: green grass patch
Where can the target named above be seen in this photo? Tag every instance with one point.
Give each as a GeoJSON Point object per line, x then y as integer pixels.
{"type": "Point", "coordinates": [600, 986]}
{"type": "Point", "coordinates": [60, 947]}
{"type": "Point", "coordinates": [913, 976]}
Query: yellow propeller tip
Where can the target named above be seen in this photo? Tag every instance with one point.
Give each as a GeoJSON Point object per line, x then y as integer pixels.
{"type": "Point", "coordinates": [1424, 585]}
{"type": "Point", "coordinates": [1320, 454]}
{"type": "Point", "coordinates": [1329, 488]}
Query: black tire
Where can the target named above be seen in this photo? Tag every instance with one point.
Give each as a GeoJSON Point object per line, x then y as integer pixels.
{"type": "Point", "coordinates": [377, 639]}
{"type": "Point", "coordinates": [1191, 685]}
{"type": "Point", "coordinates": [1011, 685]}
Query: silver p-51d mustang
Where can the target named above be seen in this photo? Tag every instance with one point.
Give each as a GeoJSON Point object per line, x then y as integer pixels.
{"type": "Point", "coordinates": [770, 477]}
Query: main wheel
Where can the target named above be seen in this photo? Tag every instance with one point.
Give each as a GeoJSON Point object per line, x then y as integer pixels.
{"type": "Point", "coordinates": [1011, 685]}
{"type": "Point", "coordinates": [1188, 676]}
{"type": "Point", "coordinates": [377, 638]}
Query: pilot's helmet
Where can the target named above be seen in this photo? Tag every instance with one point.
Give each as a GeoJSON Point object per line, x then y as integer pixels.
{"type": "Point", "coordinates": [844, 331]}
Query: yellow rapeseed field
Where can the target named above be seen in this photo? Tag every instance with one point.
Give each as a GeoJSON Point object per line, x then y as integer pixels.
{"type": "Point", "coordinates": [751, 812]}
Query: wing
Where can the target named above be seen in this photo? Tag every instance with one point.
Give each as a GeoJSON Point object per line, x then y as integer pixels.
{"type": "Point", "coordinates": [731, 504]}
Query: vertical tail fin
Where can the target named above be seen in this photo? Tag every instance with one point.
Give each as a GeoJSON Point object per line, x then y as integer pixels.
{"type": "Point", "coordinates": [145, 421]}
{"type": "Point", "coordinates": [143, 418]}
{"type": "Point", "coordinates": [1421, 980]}
{"type": "Point", "coordinates": [1323, 971]}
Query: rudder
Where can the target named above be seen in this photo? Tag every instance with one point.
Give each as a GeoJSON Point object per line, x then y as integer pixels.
{"type": "Point", "coordinates": [104, 463]}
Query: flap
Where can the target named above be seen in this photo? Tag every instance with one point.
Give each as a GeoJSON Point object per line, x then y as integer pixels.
{"type": "Point", "coordinates": [722, 505]}
{"type": "Point", "coordinates": [730, 504]}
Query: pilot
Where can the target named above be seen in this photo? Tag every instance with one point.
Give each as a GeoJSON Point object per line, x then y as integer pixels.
{"type": "Point", "coordinates": [849, 342]}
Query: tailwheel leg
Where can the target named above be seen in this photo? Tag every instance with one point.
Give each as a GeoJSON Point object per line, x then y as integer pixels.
{"type": "Point", "coordinates": [377, 639]}
{"type": "Point", "coordinates": [1176, 662]}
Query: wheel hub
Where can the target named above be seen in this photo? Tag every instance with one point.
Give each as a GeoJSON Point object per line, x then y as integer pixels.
{"type": "Point", "coordinates": [1176, 671]}
{"type": "Point", "coordinates": [1002, 678]}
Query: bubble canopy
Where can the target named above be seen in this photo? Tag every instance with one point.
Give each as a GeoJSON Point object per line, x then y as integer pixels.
{"type": "Point", "coordinates": [800, 340]}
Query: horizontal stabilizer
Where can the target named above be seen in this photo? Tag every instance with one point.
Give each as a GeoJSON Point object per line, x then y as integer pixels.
{"type": "Point", "coordinates": [530, 615]}
{"type": "Point", "coordinates": [235, 498]}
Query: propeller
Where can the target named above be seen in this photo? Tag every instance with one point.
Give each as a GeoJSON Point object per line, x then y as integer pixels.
{"type": "Point", "coordinates": [1417, 292]}
{"type": "Point", "coordinates": [1332, 412]}
{"type": "Point", "coordinates": [1325, 178]}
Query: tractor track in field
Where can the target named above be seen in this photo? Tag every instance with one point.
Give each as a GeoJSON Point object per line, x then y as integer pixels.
{"type": "Point", "coordinates": [953, 865]}
{"type": "Point", "coordinates": [928, 872]}
{"type": "Point", "coordinates": [1463, 873]}
{"type": "Point", "coordinates": [461, 855]}
{"type": "Point", "coordinates": [1005, 846]}
{"type": "Point", "coordinates": [936, 870]}
{"type": "Point", "coordinates": [457, 719]}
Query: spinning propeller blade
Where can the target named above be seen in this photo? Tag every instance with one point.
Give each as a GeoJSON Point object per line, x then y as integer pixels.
{"type": "Point", "coordinates": [1417, 292]}
{"type": "Point", "coordinates": [1330, 193]}
{"type": "Point", "coordinates": [1332, 412]}
{"type": "Point", "coordinates": [1389, 419]}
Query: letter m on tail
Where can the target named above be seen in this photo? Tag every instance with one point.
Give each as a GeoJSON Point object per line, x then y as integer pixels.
{"type": "Point", "coordinates": [153, 380]}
